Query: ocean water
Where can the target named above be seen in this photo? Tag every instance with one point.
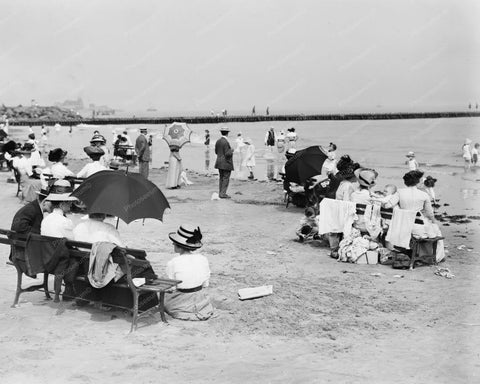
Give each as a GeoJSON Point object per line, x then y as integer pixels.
{"type": "Point", "coordinates": [379, 144]}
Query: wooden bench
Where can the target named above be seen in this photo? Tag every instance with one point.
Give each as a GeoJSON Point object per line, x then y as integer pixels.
{"type": "Point", "coordinates": [131, 260]}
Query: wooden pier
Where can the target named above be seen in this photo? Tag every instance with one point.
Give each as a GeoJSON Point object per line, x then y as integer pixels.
{"type": "Point", "coordinates": [241, 118]}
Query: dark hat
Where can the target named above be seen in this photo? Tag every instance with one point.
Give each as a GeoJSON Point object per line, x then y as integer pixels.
{"type": "Point", "coordinates": [429, 181]}
{"type": "Point", "coordinates": [94, 151]}
{"type": "Point", "coordinates": [187, 237]}
{"type": "Point", "coordinates": [348, 171]}
{"type": "Point", "coordinates": [27, 148]}
{"type": "Point", "coordinates": [9, 146]}
{"type": "Point", "coordinates": [31, 136]}
{"type": "Point", "coordinates": [57, 154]}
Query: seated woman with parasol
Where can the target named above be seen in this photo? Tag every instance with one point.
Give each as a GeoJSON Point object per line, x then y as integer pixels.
{"type": "Point", "coordinates": [189, 301]}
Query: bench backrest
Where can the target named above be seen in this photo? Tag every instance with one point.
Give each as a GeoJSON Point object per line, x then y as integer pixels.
{"type": "Point", "coordinates": [386, 213]}
{"type": "Point", "coordinates": [82, 248]}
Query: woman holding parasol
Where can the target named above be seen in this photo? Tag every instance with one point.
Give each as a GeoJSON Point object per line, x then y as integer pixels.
{"type": "Point", "coordinates": [176, 135]}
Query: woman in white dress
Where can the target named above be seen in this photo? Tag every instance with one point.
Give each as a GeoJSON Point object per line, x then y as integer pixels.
{"type": "Point", "coordinates": [174, 168]}
{"type": "Point", "coordinates": [249, 160]}
{"type": "Point", "coordinates": [189, 301]}
{"type": "Point", "coordinates": [413, 199]}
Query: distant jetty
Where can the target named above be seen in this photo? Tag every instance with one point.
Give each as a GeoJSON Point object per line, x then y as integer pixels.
{"type": "Point", "coordinates": [240, 118]}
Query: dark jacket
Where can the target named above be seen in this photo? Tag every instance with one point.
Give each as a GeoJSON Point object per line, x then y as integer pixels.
{"type": "Point", "coordinates": [224, 155]}
{"type": "Point", "coordinates": [142, 148]}
{"type": "Point", "coordinates": [28, 219]}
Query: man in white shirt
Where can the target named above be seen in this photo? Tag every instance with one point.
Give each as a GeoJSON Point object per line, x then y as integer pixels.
{"type": "Point", "coordinates": [93, 230]}
{"type": "Point", "coordinates": [95, 153]}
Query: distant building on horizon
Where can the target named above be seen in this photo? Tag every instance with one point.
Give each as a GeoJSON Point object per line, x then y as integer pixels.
{"type": "Point", "coordinates": [76, 105]}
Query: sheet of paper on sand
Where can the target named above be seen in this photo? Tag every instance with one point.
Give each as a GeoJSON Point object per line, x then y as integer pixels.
{"type": "Point", "coordinates": [252, 293]}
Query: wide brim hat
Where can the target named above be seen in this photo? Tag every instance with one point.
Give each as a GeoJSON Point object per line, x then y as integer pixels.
{"type": "Point", "coordinates": [410, 154]}
{"type": "Point", "coordinates": [60, 197]}
{"type": "Point", "coordinates": [42, 193]}
{"type": "Point", "coordinates": [61, 191]}
{"type": "Point", "coordinates": [143, 130]}
{"type": "Point", "coordinates": [94, 151]}
{"type": "Point", "coordinates": [61, 186]}
{"type": "Point", "coordinates": [56, 155]}
{"type": "Point", "coordinates": [98, 139]}
{"type": "Point", "coordinates": [224, 129]}
{"type": "Point", "coordinates": [187, 237]}
{"type": "Point", "coordinates": [366, 177]}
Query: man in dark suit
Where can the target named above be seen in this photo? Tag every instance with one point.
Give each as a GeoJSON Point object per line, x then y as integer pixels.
{"type": "Point", "coordinates": [224, 162]}
{"type": "Point", "coordinates": [143, 152]}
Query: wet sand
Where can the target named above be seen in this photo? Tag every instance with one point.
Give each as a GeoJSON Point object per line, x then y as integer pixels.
{"type": "Point", "coordinates": [325, 322]}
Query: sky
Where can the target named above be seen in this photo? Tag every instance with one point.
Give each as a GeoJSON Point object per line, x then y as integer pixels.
{"type": "Point", "coordinates": [202, 55]}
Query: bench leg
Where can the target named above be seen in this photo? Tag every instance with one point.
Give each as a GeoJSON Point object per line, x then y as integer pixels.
{"type": "Point", "coordinates": [161, 306]}
{"type": "Point", "coordinates": [135, 312]}
{"type": "Point", "coordinates": [19, 287]}
{"type": "Point", "coordinates": [45, 286]}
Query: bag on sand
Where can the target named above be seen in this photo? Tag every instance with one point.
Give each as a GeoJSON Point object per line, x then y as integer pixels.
{"type": "Point", "coordinates": [400, 260]}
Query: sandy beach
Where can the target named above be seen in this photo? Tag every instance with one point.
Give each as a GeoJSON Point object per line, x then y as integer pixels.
{"type": "Point", "coordinates": [325, 322]}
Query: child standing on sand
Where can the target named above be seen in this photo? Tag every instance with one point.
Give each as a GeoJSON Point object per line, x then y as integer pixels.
{"type": "Point", "coordinates": [467, 154]}
{"type": "Point", "coordinates": [475, 154]}
{"type": "Point", "coordinates": [249, 160]}
{"type": "Point", "coordinates": [412, 162]}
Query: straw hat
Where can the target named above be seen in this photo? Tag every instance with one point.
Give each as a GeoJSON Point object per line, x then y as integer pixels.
{"type": "Point", "coordinates": [224, 129]}
{"type": "Point", "coordinates": [98, 139]}
{"type": "Point", "coordinates": [60, 191]}
{"type": "Point", "coordinates": [410, 154]}
{"type": "Point", "coordinates": [187, 237]}
{"type": "Point", "coordinates": [366, 177]}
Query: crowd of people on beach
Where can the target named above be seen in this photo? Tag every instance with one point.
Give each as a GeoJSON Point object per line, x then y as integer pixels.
{"type": "Point", "coordinates": [332, 214]}
{"type": "Point", "coordinates": [48, 209]}
{"type": "Point", "coordinates": [331, 201]}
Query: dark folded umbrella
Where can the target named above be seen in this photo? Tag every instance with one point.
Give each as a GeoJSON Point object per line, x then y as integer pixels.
{"type": "Point", "coordinates": [304, 164]}
{"type": "Point", "coordinates": [127, 196]}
